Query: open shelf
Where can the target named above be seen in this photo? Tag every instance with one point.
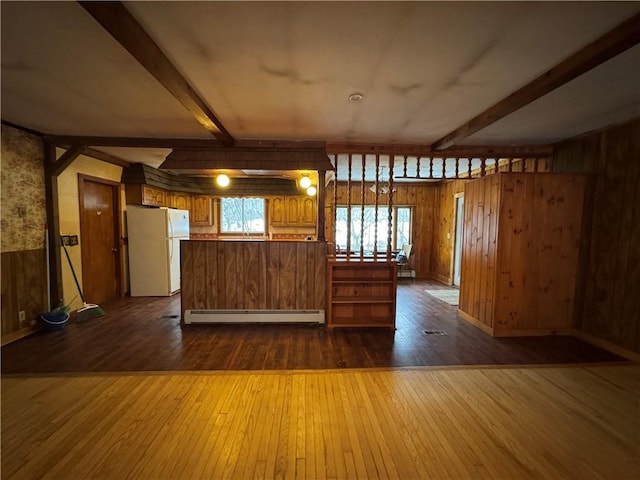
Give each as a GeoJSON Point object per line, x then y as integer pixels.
{"type": "Point", "coordinates": [361, 294]}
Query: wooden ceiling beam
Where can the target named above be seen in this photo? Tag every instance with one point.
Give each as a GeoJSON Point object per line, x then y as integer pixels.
{"type": "Point", "coordinates": [125, 29]}
{"type": "Point", "coordinates": [152, 142]}
{"type": "Point", "coordinates": [616, 41]}
{"type": "Point", "coordinates": [66, 159]}
{"type": "Point", "coordinates": [105, 157]}
{"type": "Point", "coordinates": [139, 142]}
{"type": "Point", "coordinates": [20, 127]}
{"type": "Point", "coordinates": [66, 141]}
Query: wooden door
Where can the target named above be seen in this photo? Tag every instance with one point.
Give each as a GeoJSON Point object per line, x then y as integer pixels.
{"type": "Point", "coordinates": [99, 234]}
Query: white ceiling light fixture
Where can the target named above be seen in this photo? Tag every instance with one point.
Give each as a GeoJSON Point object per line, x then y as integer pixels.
{"type": "Point", "coordinates": [223, 180]}
{"type": "Point", "coordinates": [355, 97]}
{"type": "Point", "coordinates": [305, 182]}
{"type": "Point", "coordinates": [311, 191]}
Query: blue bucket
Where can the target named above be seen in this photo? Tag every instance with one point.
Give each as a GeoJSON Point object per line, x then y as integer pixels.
{"type": "Point", "coordinates": [54, 321]}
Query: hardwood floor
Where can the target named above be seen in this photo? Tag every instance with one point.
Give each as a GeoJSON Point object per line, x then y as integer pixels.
{"type": "Point", "coordinates": [144, 334]}
{"type": "Point", "coordinates": [64, 416]}
{"type": "Point", "coordinates": [442, 423]}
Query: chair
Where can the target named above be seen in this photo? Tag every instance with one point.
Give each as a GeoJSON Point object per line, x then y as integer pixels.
{"type": "Point", "coordinates": [402, 259]}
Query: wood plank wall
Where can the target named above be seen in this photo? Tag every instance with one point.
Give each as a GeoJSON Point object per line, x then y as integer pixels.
{"type": "Point", "coordinates": [253, 275]}
{"type": "Point", "coordinates": [444, 230]}
{"type": "Point", "coordinates": [608, 294]}
{"type": "Point", "coordinates": [520, 257]}
{"type": "Point", "coordinates": [539, 226]}
{"type": "Point", "coordinates": [444, 214]}
{"type": "Point", "coordinates": [477, 289]}
{"type": "Point", "coordinates": [420, 196]}
{"type": "Point", "coordinates": [24, 287]}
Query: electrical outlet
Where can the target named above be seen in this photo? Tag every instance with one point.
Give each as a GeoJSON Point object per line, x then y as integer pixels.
{"type": "Point", "coordinates": [69, 240]}
{"type": "Point", "coordinates": [22, 316]}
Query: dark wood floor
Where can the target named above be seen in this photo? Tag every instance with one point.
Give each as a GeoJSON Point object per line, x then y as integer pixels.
{"type": "Point", "coordinates": [144, 334]}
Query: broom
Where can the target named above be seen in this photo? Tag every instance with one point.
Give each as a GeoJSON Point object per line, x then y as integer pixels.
{"type": "Point", "coordinates": [88, 310]}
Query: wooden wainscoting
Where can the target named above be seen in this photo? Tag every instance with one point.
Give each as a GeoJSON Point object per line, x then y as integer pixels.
{"type": "Point", "coordinates": [253, 275]}
{"type": "Point", "coordinates": [24, 288]}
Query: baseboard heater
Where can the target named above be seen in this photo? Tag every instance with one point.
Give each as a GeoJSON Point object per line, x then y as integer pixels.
{"type": "Point", "coordinates": [253, 316]}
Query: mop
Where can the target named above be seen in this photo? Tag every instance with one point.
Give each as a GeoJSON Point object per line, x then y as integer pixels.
{"type": "Point", "coordinates": [88, 310]}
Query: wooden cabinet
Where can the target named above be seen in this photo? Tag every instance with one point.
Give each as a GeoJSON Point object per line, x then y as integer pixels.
{"type": "Point", "coordinates": [308, 211]}
{"type": "Point", "coordinates": [293, 211]}
{"type": "Point", "coordinates": [145, 195]}
{"type": "Point", "coordinates": [520, 252]}
{"type": "Point", "coordinates": [277, 214]}
{"type": "Point", "coordinates": [361, 294]}
{"type": "Point", "coordinates": [201, 210]}
{"type": "Point", "coordinates": [180, 200]}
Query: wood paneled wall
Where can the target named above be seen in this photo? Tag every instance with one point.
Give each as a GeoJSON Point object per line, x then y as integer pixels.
{"type": "Point", "coordinates": [520, 255]}
{"type": "Point", "coordinates": [420, 196]}
{"type": "Point", "coordinates": [444, 230]}
{"type": "Point", "coordinates": [444, 214]}
{"type": "Point", "coordinates": [608, 295]}
{"type": "Point", "coordinates": [477, 289]}
{"type": "Point", "coordinates": [24, 287]}
{"type": "Point", "coordinates": [253, 275]}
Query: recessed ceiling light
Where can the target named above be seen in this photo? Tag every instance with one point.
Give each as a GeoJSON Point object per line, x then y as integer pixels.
{"type": "Point", "coordinates": [355, 97]}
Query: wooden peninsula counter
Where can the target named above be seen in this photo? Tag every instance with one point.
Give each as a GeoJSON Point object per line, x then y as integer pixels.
{"type": "Point", "coordinates": [252, 281]}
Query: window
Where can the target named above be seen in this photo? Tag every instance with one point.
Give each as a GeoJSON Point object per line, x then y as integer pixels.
{"type": "Point", "coordinates": [373, 232]}
{"type": "Point", "coordinates": [242, 215]}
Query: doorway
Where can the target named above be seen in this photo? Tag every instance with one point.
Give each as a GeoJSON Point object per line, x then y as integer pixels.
{"type": "Point", "coordinates": [457, 243]}
{"type": "Point", "coordinates": [100, 235]}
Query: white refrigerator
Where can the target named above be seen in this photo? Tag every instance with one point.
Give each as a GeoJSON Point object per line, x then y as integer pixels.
{"type": "Point", "coordinates": [154, 236]}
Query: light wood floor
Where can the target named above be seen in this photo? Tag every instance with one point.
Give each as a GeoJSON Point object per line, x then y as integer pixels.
{"type": "Point", "coordinates": [578, 422]}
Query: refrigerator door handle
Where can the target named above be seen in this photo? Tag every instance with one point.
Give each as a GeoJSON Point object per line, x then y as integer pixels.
{"type": "Point", "coordinates": [170, 237]}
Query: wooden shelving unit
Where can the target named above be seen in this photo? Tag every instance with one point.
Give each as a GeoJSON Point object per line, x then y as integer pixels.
{"type": "Point", "coordinates": [361, 294]}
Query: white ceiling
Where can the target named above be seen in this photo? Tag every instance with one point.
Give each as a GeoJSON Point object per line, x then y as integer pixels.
{"type": "Point", "coordinates": [283, 70]}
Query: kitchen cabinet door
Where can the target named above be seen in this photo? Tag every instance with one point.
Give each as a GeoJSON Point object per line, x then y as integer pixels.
{"type": "Point", "coordinates": [277, 211]}
{"type": "Point", "coordinates": [180, 200]}
{"type": "Point", "coordinates": [201, 210]}
{"type": "Point", "coordinates": [307, 215]}
{"type": "Point", "coordinates": [293, 210]}
{"type": "Point", "coordinates": [153, 196]}
{"type": "Point", "coordinates": [145, 195]}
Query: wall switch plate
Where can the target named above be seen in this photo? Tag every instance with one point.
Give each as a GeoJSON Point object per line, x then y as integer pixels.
{"type": "Point", "coordinates": [22, 316]}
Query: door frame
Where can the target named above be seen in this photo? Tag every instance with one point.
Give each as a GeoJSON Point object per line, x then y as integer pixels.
{"type": "Point", "coordinates": [454, 222]}
{"type": "Point", "coordinates": [117, 229]}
